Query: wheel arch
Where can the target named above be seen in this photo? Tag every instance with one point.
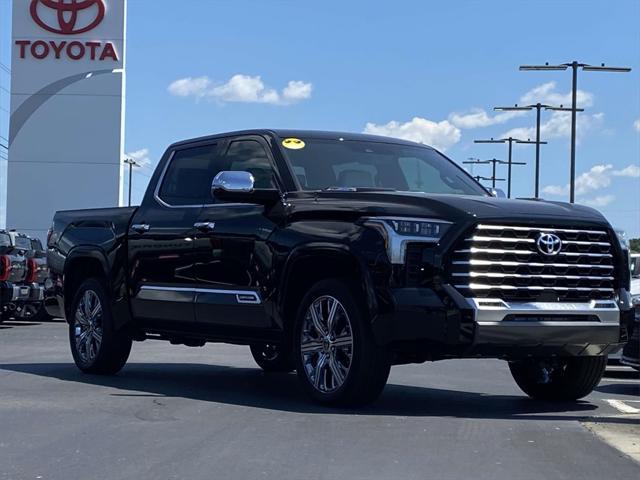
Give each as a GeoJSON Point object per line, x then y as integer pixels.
{"type": "Point", "coordinates": [323, 260]}
{"type": "Point", "coordinates": [82, 263]}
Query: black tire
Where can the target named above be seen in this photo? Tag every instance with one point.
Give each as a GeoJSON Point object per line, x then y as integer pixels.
{"type": "Point", "coordinates": [41, 315]}
{"type": "Point", "coordinates": [369, 366]}
{"type": "Point", "coordinates": [111, 353]}
{"type": "Point", "coordinates": [565, 379]}
{"type": "Point", "coordinates": [272, 358]}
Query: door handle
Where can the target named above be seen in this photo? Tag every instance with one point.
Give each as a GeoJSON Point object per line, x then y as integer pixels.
{"type": "Point", "coordinates": [140, 227]}
{"type": "Point", "coordinates": [205, 226]}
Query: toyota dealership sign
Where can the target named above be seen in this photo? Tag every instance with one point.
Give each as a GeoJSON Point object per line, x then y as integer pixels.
{"type": "Point", "coordinates": [67, 18]}
{"type": "Point", "coordinates": [67, 108]}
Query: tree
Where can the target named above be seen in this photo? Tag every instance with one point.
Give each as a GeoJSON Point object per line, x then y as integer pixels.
{"type": "Point", "coordinates": [635, 244]}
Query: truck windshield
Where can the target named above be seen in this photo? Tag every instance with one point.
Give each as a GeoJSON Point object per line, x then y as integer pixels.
{"type": "Point", "coordinates": [5, 240]}
{"type": "Point", "coordinates": [321, 164]}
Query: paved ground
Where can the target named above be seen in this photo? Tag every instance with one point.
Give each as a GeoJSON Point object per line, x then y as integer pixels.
{"type": "Point", "coordinates": [209, 413]}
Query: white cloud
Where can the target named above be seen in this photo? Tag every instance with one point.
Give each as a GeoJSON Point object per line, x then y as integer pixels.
{"type": "Point", "coordinates": [547, 94]}
{"type": "Point", "coordinates": [241, 88]}
{"type": "Point", "coordinates": [632, 171]}
{"type": "Point", "coordinates": [141, 157]}
{"type": "Point", "coordinates": [596, 178]}
{"type": "Point", "coordinates": [190, 86]}
{"type": "Point", "coordinates": [599, 201]}
{"type": "Point", "coordinates": [559, 126]}
{"type": "Point", "coordinates": [477, 117]}
{"type": "Point", "coordinates": [440, 135]}
{"type": "Point", "coordinates": [636, 125]}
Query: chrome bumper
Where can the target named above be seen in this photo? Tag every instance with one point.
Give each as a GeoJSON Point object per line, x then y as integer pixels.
{"type": "Point", "coordinates": [496, 312]}
{"type": "Point", "coordinates": [589, 328]}
{"type": "Point", "coordinates": [24, 293]}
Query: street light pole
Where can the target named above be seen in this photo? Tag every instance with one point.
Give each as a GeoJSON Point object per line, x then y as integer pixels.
{"type": "Point", "coordinates": [574, 101]}
{"type": "Point", "coordinates": [132, 163]}
{"type": "Point", "coordinates": [510, 162]}
{"type": "Point", "coordinates": [538, 106]}
{"type": "Point", "coordinates": [493, 161]}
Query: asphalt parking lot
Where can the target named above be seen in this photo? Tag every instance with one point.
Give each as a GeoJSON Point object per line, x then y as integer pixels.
{"type": "Point", "coordinates": [210, 413]}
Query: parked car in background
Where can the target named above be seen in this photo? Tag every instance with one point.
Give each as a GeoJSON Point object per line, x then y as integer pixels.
{"type": "Point", "coordinates": [13, 272]}
{"type": "Point", "coordinates": [31, 283]}
{"type": "Point", "coordinates": [631, 351]}
{"type": "Point", "coordinates": [38, 254]}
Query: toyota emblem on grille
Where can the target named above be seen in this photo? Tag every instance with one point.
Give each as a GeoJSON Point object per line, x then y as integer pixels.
{"type": "Point", "coordinates": [549, 244]}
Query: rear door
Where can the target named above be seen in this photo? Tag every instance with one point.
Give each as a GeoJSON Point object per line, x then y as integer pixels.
{"type": "Point", "coordinates": [234, 260]}
{"type": "Point", "coordinates": [161, 234]}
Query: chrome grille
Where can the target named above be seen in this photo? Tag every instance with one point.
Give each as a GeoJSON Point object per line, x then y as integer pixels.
{"type": "Point", "coordinates": [503, 261]}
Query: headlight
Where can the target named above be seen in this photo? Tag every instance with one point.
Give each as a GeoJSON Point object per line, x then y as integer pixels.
{"type": "Point", "coordinates": [398, 231]}
{"type": "Point", "coordinates": [622, 238]}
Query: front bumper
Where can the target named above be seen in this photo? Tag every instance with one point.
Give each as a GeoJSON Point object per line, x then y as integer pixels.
{"type": "Point", "coordinates": [451, 325]}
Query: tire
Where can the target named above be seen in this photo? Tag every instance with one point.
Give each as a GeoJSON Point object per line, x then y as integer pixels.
{"type": "Point", "coordinates": [272, 358]}
{"type": "Point", "coordinates": [102, 350]}
{"type": "Point", "coordinates": [41, 315]}
{"type": "Point", "coordinates": [565, 379]}
{"type": "Point", "coordinates": [354, 370]}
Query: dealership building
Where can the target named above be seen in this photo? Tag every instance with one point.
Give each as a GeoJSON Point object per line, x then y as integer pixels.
{"type": "Point", "coordinates": [61, 108]}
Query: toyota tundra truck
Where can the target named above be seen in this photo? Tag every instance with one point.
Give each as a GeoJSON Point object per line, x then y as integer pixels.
{"type": "Point", "coordinates": [338, 255]}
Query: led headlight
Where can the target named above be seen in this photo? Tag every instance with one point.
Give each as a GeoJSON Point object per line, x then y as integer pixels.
{"type": "Point", "coordinates": [398, 231]}
{"type": "Point", "coordinates": [622, 238]}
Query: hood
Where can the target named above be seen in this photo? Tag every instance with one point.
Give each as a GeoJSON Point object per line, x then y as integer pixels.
{"type": "Point", "coordinates": [448, 207]}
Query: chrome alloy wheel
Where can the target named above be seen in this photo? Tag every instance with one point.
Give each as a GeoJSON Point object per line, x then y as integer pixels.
{"type": "Point", "coordinates": [88, 326]}
{"type": "Point", "coordinates": [326, 344]}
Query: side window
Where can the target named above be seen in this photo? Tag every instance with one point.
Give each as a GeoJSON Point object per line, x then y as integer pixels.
{"type": "Point", "coordinates": [250, 156]}
{"type": "Point", "coordinates": [187, 181]}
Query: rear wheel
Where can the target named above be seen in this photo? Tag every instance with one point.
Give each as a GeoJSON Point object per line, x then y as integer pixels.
{"type": "Point", "coordinates": [560, 379]}
{"type": "Point", "coordinates": [272, 358]}
{"type": "Point", "coordinates": [336, 356]}
{"type": "Point", "coordinates": [95, 344]}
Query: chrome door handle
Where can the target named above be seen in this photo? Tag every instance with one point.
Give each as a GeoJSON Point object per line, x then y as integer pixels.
{"type": "Point", "coordinates": [140, 227]}
{"type": "Point", "coordinates": [205, 226]}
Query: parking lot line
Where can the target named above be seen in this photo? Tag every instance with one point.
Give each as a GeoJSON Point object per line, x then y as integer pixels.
{"type": "Point", "coordinates": [621, 406]}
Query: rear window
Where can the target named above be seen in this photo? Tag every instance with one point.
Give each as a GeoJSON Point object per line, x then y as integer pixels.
{"type": "Point", "coordinates": [5, 240]}
{"type": "Point", "coordinates": [23, 242]}
{"type": "Point", "coordinates": [187, 180]}
{"type": "Point", "coordinates": [35, 244]}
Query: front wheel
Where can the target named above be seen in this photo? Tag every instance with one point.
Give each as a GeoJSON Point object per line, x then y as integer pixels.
{"type": "Point", "coordinates": [559, 379]}
{"type": "Point", "coordinates": [336, 356]}
{"type": "Point", "coordinates": [96, 346]}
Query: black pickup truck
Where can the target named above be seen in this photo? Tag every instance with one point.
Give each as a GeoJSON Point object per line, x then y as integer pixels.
{"type": "Point", "coordinates": [338, 255]}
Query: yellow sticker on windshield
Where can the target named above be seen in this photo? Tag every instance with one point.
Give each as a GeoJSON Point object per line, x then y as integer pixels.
{"type": "Point", "coordinates": [293, 143]}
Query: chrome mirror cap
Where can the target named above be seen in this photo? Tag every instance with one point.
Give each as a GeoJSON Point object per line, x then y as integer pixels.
{"type": "Point", "coordinates": [498, 192]}
{"type": "Point", "coordinates": [236, 181]}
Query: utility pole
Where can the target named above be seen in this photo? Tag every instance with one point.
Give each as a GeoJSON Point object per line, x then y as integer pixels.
{"type": "Point", "coordinates": [132, 163]}
{"type": "Point", "coordinates": [538, 106]}
{"type": "Point", "coordinates": [493, 161]}
{"type": "Point", "coordinates": [574, 100]}
{"type": "Point", "coordinates": [510, 162]}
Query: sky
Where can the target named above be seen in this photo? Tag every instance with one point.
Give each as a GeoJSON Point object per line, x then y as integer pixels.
{"type": "Point", "coordinates": [426, 71]}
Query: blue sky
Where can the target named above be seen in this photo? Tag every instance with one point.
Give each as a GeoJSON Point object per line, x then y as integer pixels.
{"type": "Point", "coordinates": [430, 71]}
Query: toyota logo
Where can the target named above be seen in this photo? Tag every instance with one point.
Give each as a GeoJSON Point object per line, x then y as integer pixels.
{"type": "Point", "coordinates": [549, 244]}
{"type": "Point", "coordinates": [66, 15]}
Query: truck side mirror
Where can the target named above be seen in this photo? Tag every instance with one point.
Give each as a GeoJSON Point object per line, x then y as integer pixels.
{"type": "Point", "coordinates": [498, 193]}
{"type": "Point", "coordinates": [232, 181]}
{"type": "Point", "coordinates": [238, 186]}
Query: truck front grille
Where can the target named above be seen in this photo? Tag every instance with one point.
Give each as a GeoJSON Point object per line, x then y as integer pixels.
{"type": "Point", "coordinates": [504, 261]}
